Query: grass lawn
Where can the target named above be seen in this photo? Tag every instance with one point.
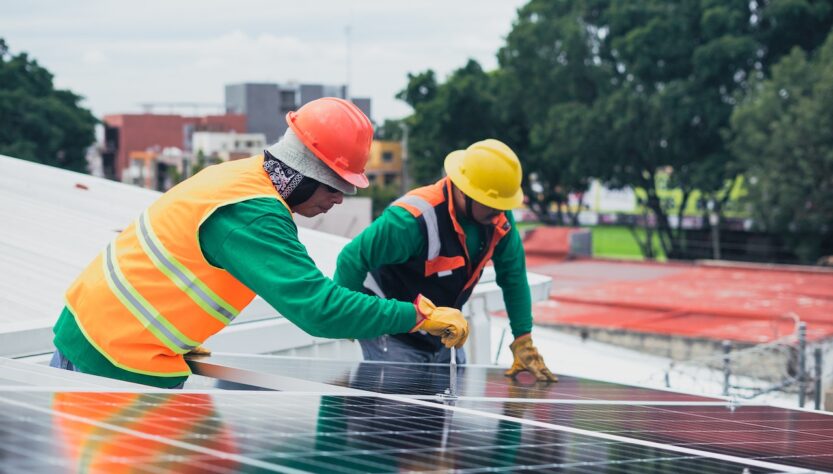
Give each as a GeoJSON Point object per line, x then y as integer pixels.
{"type": "Point", "coordinates": [618, 242]}
{"type": "Point", "coordinates": [611, 241]}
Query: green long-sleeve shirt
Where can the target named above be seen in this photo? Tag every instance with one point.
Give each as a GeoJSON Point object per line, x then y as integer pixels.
{"type": "Point", "coordinates": [395, 237]}
{"type": "Point", "coordinates": [257, 242]}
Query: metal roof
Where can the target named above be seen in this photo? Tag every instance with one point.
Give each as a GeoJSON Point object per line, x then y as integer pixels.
{"type": "Point", "coordinates": [54, 222]}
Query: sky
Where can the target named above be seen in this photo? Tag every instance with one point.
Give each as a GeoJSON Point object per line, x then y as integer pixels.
{"type": "Point", "coordinates": [118, 55]}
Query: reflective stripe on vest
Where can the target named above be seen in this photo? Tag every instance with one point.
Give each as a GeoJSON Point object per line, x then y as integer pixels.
{"type": "Point", "coordinates": [430, 217]}
{"type": "Point", "coordinates": [181, 276]}
{"type": "Point", "coordinates": [140, 308]}
{"type": "Point", "coordinates": [152, 296]}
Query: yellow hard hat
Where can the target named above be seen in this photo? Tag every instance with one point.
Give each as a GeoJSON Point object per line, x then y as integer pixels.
{"type": "Point", "coordinates": [488, 172]}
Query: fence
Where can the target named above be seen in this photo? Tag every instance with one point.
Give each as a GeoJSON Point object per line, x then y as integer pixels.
{"type": "Point", "coordinates": [786, 365]}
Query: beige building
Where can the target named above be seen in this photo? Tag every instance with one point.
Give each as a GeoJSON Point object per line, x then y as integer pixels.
{"type": "Point", "coordinates": [154, 169]}
{"type": "Point", "coordinates": [385, 164]}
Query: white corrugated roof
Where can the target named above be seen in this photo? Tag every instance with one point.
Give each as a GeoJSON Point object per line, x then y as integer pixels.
{"type": "Point", "coordinates": [52, 224]}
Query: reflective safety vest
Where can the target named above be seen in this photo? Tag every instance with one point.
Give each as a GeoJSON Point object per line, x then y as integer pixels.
{"type": "Point", "coordinates": [446, 273]}
{"type": "Point", "coordinates": [151, 296]}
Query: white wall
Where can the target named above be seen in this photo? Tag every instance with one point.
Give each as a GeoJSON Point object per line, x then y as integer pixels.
{"type": "Point", "coordinates": [221, 143]}
{"type": "Point", "coordinates": [346, 220]}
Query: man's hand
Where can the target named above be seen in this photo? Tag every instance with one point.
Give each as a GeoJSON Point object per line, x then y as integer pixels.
{"type": "Point", "coordinates": [527, 358]}
{"type": "Point", "coordinates": [446, 323]}
{"type": "Point", "coordinates": [199, 351]}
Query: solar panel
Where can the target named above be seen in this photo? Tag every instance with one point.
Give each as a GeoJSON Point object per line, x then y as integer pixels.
{"type": "Point", "coordinates": [430, 379]}
{"type": "Point", "coordinates": [656, 416]}
{"type": "Point", "coordinates": [797, 438]}
{"type": "Point", "coordinates": [14, 373]}
{"type": "Point", "coordinates": [286, 432]}
{"type": "Point", "coordinates": [340, 416]}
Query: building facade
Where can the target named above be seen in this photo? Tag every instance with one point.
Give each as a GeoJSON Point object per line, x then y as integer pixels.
{"type": "Point", "coordinates": [225, 146]}
{"type": "Point", "coordinates": [384, 167]}
{"type": "Point", "coordinates": [266, 104]}
{"type": "Point", "coordinates": [126, 133]}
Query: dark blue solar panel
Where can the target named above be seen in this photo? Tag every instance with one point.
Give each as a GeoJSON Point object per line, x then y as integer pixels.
{"type": "Point", "coordinates": [430, 379]}
{"type": "Point", "coordinates": [792, 437]}
{"type": "Point", "coordinates": [281, 432]}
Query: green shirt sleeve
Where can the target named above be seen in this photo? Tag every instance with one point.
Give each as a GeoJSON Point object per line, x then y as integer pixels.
{"type": "Point", "coordinates": [257, 242]}
{"type": "Point", "coordinates": [510, 275]}
{"type": "Point", "coordinates": [394, 237]}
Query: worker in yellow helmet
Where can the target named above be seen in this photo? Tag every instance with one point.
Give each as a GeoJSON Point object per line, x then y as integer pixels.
{"type": "Point", "coordinates": [436, 240]}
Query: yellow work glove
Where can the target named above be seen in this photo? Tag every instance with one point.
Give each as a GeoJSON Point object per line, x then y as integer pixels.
{"type": "Point", "coordinates": [446, 323]}
{"type": "Point", "coordinates": [527, 358]}
{"type": "Point", "coordinates": [199, 351]}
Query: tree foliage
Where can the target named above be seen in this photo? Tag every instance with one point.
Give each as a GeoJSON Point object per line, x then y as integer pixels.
{"type": "Point", "coordinates": [619, 90]}
{"type": "Point", "coordinates": [41, 123]}
{"type": "Point", "coordinates": [448, 116]}
{"type": "Point", "coordinates": [783, 136]}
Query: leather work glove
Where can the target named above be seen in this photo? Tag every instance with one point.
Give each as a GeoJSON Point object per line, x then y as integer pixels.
{"type": "Point", "coordinates": [199, 351]}
{"type": "Point", "coordinates": [527, 358]}
{"type": "Point", "coordinates": [446, 323]}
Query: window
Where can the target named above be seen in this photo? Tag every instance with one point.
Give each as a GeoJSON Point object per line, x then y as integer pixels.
{"type": "Point", "coordinates": [387, 156]}
{"type": "Point", "coordinates": [390, 178]}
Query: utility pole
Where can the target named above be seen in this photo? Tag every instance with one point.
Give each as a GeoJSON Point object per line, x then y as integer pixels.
{"type": "Point", "coordinates": [347, 92]}
{"type": "Point", "coordinates": [405, 185]}
{"type": "Point", "coordinates": [714, 223]}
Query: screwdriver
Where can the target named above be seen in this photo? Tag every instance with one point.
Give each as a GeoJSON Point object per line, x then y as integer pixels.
{"type": "Point", "coordinates": [453, 375]}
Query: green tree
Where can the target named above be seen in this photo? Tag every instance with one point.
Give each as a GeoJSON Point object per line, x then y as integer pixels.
{"type": "Point", "coordinates": [447, 117]}
{"type": "Point", "coordinates": [41, 123]}
{"type": "Point", "coordinates": [547, 85]}
{"type": "Point", "coordinates": [783, 135]}
{"type": "Point", "coordinates": [390, 130]}
{"type": "Point", "coordinates": [627, 90]}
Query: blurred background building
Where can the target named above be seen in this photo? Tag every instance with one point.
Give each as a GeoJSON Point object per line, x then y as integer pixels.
{"type": "Point", "coordinates": [261, 103]}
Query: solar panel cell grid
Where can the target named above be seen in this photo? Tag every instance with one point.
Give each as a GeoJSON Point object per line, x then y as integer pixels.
{"type": "Point", "coordinates": [774, 434]}
{"type": "Point", "coordinates": [280, 432]}
{"type": "Point", "coordinates": [430, 379]}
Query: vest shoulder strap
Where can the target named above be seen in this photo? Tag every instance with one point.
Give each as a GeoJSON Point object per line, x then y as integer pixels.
{"type": "Point", "coordinates": [426, 211]}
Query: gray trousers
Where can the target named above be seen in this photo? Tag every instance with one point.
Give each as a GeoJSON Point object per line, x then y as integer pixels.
{"type": "Point", "coordinates": [391, 349]}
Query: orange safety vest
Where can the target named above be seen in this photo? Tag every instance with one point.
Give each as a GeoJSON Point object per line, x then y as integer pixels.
{"type": "Point", "coordinates": [446, 273]}
{"type": "Point", "coordinates": [151, 296]}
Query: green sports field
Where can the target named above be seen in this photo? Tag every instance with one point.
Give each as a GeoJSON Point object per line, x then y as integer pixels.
{"type": "Point", "coordinates": [612, 241]}
{"type": "Point", "coordinates": [618, 242]}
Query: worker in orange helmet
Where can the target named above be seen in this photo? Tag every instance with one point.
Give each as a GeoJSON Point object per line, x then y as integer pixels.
{"type": "Point", "coordinates": [187, 266]}
{"type": "Point", "coordinates": [436, 240]}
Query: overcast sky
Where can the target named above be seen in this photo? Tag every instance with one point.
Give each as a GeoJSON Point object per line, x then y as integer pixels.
{"type": "Point", "coordinates": [119, 55]}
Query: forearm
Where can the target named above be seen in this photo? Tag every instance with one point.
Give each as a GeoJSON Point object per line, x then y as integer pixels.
{"type": "Point", "coordinates": [510, 275]}
{"type": "Point", "coordinates": [393, 238]}
{"type": "Point", "coordinates": [264, 254]}
{"type": "Point", "coordinates": [519, 311]}
{"type": "Point", "coordinates": [352, 266]}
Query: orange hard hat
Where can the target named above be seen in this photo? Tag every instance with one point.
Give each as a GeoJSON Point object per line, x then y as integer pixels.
{"type": "Point", "coordinates": [338, 133]}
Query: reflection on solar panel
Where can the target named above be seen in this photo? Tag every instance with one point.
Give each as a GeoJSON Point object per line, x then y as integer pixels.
{"type": "Point", "coordinates": [430, 379]}
{"type": "Point", "coordinates": [283, 432]}
{"type": "Point", "coordinates": [797, 438]}
{"type": "Point", "coordinates": [337, 416]}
